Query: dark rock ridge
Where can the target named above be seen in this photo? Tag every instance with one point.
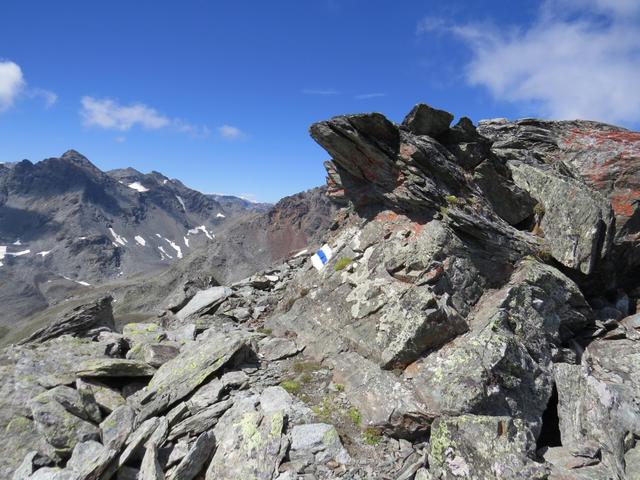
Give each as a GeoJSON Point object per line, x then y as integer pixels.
{"type": "Point", "coordinates": [456, 332]}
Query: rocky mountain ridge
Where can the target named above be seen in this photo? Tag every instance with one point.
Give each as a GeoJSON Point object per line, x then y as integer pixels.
{"type": "Point", "coordinates": [478, 319]}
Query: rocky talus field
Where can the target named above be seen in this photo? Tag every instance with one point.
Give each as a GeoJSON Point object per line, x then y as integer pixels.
{"type": "Point", "coordinates": [478, 320]}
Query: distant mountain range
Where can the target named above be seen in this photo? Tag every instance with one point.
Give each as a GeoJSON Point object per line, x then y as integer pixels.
{"type": "Point", "coordinates": [66, 226]}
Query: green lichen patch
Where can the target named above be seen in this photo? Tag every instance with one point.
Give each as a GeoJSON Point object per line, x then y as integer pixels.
{"type": "Point", "coordinates": [342, 263]}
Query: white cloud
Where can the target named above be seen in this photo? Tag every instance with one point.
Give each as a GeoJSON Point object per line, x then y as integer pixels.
{"type": "Point", "coordinates": [120, 139]}
{"type": "Point", "coordinates": [366, 96]}
{"type": "Point", "coordinates": [308, 91]}
{"type": "Point", "coordinates": [230, 132]}
{"type": "Point", "coordinates": [11, 84]}
{"type": "Point", "coordinates": [109, 114]}
{"type": "Point", "coordinates": [579, 59]}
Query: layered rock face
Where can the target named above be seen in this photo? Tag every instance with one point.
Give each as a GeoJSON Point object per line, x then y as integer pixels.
{"type": "Point", "coordinates": [454, 308]}
{"type": "Point", "coordinates": [461, 330]}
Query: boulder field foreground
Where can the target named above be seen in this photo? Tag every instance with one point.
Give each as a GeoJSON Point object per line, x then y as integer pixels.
{"type": "Point", "coordinates": [478, 320]}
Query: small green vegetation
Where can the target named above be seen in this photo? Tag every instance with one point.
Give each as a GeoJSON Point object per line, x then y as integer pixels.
{"type": "Point", "coordinates": [264, 331]}
{"type": "Point", "coordinates": [444, 211]}
{"type": "Point", "coordinates": [342, 263]}
{"type": "Point", "coordinates": [306, 367]}
{"type": "Point", "coordinates": [339, 387]}
{"type": "Point", "coordinates": [372, 436]}
{"type": "Point", "coordinates": [452, 199]}
{"type": "Point", "coordinates": [355, 416]}
{"type": "Point", "coordinates": [538, 209]}
{"type": "Point", "coordinates": [324, 410]}
{"type": "Point", "coordinates": [291, 386]}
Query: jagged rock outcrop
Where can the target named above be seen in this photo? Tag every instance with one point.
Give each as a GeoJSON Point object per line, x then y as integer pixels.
{"type": "Point", "coordinates": [78, 322]}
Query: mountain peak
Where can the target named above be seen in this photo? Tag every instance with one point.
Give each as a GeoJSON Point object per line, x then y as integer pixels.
{"type": "Point", "coordinates": [78, 159]}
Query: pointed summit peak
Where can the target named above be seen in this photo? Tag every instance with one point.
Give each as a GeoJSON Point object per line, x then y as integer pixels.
{"type": "Point", "coordinates": [78, 159]}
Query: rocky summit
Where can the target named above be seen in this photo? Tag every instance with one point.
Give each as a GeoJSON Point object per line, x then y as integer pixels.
{"type": "Point", "coordinates": [476, 318]}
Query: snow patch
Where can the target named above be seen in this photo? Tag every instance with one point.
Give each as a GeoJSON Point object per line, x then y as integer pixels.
{"type": "Point", "coordinates": [17, 242]}
{"type": "Point", "coordinates": [138, 187]}
{"type": "Point", "coordinates": [175, 247]}
{"type": "Point", "coordinates": [158, 235]}
{"type": "Point", "coordinates": [139, 240]}
{"type": "Point", "coordinates": [220, 215]}
{"type": "Point", "coordinates": [203, 229]}
{"type": "Point", "coordinates": [118, 239]}
{"type": "Point", "coordinates": [44, 253]}
{"type": "Point", "coordinates": [302, 252]}
{"type": "Point", "coordinates": [82, 238]}
{"type": "Point", "coordinates": [164, 182]}
{"type": "Point", "coordinates": [18, 254]}
{"type": "Point", "coordinates": [186, 241]}
{"type": "Point", "coordinates": [3, 251]}
{"type": "Point", "coordinates": [79, 282]}
{"type": "Point", "coordinates": [181, 202]}
{"type": "Point", "coordinates": [163, 253]}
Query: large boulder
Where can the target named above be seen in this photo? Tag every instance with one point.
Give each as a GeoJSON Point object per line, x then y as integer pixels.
{"type": "Point", "coordinates": [564, 200]}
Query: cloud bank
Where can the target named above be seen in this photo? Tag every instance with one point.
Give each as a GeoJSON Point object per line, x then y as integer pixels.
{"type": "Point", "coordinates": [579, 59]}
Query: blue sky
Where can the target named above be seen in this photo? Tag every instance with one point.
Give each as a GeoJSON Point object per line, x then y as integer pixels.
{"type": "Point", "coordinates": [221, 94]}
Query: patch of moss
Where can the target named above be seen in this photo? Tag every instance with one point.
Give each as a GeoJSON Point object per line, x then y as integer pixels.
{"type": "Point", "coordinates": [339, 387]}
{"type": "Point", "coordinates": [452, 199]}
{"type": "Point", "coordinates": [291, 386]}
{"type": "Point", "coordinates": [354, 415]}
{"type": "Point", "coordinates": [264, 331]}
{"type": "Point", "coordinates": [372, 436]}
{"type": "Point", "coordinates": [538, 209]}
{"type": "Point", "coordinates": [342, 263]}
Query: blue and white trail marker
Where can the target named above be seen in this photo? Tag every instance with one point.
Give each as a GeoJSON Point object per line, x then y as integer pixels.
{"type": "Point", "coordinates": [322, 257]}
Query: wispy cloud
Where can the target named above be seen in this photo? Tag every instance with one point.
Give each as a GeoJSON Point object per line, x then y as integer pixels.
{"type": "Point", "coordinates": [311, 91]}
{"type": "Point", "coordinates": [13, 86]}
{"type": "Point", "coordinates": [366, 96]}
{"type": "Point", "coordinates": [229, 132]}
{"type": "Point", "coordinates": [49, 97]}
{"type": "Point", "coordinates": [579, 59]}
{"type": "Point", "coordinates": [110, 115]}
{"type": "Point", "coordinates": [120, 139]}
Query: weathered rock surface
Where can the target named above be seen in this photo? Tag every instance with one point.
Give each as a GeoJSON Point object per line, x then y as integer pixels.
{"type": "Point", "coordinates": [472, 446]}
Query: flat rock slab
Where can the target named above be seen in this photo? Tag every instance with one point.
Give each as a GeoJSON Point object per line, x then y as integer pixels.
{"type": "Point", "coordinates": [204, 301]}
{"type": "Point", "coordinates": [272, 349]}
{"type": "Point", "coordinates": [194, 366]}
{"type": "Point", "coordinates": [114, 367]}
